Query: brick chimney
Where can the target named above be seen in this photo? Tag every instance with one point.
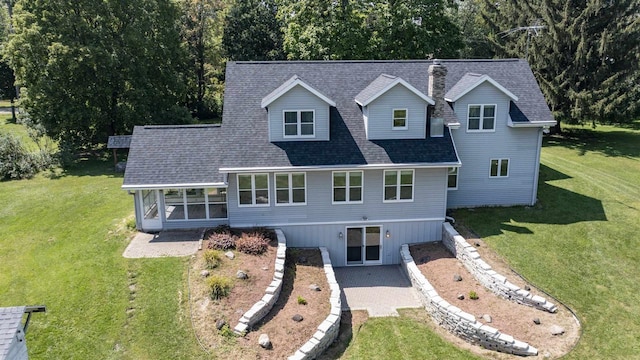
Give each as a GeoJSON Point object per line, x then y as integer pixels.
{"type": "Point", "coordinates": [437, 76]}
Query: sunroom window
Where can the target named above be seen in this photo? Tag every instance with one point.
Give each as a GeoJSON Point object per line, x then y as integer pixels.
{"type": "Point", "coordinates": [195, 204]}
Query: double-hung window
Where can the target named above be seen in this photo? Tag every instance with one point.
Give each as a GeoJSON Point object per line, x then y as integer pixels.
{"type": "Point", "coordinates": [299, 123]}
{"type": "Point", "coordinates": [398, 185]}
{"type": "Point", "coordinates": [347, 186]}
{"type": "Point", "coordinates": [253, 190]}
{"type": "Point", "coordinates": [291, 189]}
{"type": "Point", "coordinates": [452, 178]}
{"type": "Point", "coordinates": [481, 118]}
{"type": "Point", "coordinates": [400, 119]}
{"type": "Point", "coordinates": [499, 168]}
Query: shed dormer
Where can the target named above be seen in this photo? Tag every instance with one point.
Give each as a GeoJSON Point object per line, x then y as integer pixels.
{"type": "Point", "coordinates": [393, 109]}
{"type": "Point", "coordinates": [297, 112]}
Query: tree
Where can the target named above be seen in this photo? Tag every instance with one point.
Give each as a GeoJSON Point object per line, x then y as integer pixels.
{"type": "Point", "coordinates": [95, 68]}
{"type": "Point", "coordinates": [7, 79]}
{"type": "Point", "coordinates": [252, 31]}
{"type": "Point", "coordinates": [586, 59]}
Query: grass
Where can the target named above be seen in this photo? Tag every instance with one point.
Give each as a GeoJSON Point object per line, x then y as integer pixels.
{"type": "Point", "coordinates": [580, 242]}
{"type": "Point", "coordinates": [5, 103]}
{"type": "Point", "coordinates": [61, 244]}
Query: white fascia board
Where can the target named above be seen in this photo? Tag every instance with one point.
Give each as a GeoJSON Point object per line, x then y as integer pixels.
{"type": "Point", "coordinates": [481, 80]}
{"type": "Point", "coordinates": [172, 186]}
{"type": "Point", "coordinates": [393, 84]}
{"type": "Point", "coordinates": [266, 101]}
{"type": "Point", "coordinates": [530, 124]}
{"type": "Point", "coordinates": [454, 126]}
{"type": "Point", "coordinates": [341, 167]}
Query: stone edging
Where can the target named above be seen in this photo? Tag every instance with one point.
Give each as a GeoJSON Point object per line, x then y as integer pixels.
{"type": "Point", "coordinates": [483, 272]}
{"type": "Point", "coordinates": [458, 322]}
{"type": "Point", "coordinates": [262, 307]}
{"type": "Point", "coordinates": [328, 330]}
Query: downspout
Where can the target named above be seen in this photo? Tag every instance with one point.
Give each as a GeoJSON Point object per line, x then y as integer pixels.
{"type": "Point", "coordinates": [536, 174]}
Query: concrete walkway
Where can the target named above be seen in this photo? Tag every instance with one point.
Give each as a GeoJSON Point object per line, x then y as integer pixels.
{"type": "Point", "coordinates": [378, 289]}
{"type": "Point", "coordinates": [166, 243]}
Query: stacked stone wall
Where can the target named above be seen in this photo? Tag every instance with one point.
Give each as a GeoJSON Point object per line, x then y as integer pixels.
{"type": "Point", "coordinates": [458, 322]}
{"type": "Point", "coordinates": [328, 330]}
{"type": "Point", "coordinates": [483, 272]}
{"type": "Point", "coordinates": [260, 309]}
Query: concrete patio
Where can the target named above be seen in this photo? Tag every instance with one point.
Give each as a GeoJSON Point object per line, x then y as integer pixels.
{"type": "Point", "coordinates": [380, 290]}
{"type": "Point", "coordinates": [166, 243]}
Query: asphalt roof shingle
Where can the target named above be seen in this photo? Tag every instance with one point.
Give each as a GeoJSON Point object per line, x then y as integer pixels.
{"type": "Point", "coordinates": [10, 322]}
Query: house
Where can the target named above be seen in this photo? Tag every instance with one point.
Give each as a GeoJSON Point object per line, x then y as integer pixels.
{"type": "Point", "coordinates": [13, 345]}
{"type": "Point", "coordinates": [357, 156]}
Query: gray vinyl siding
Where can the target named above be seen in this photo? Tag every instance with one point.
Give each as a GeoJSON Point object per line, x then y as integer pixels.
{"type": "Point", "coordinates": [298, 98]}
{"type": "Point", "coordinates": [380, 115]}
{"type": "Point", "coordinates": [429, 202]}
{"type": "Point", "coordinates": [328, 236]}
{"type": "Point", "coordinates": [476, 149]}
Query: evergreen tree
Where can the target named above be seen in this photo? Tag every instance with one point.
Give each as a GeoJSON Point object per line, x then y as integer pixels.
{"type": "Point", "coordinates": [95, 68]}
{"type": "Point", "coordinates": [252, 31]}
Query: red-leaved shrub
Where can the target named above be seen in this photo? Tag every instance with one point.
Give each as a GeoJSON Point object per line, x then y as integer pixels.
{"type": "Point", "coordinates": [222, 241]}
{"type": "Point", "coordinates": [253, 244]}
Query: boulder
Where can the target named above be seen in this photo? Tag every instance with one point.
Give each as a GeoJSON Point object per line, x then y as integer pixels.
{"type": "Point", "coordinates": [264, 341]}
{"type": "Point", "coordinates": [460, 296]}
{"type": "Point", "coordinates": [457, 277]}
{"type": "Point", "coordinates": [204, 273]}
{"type": "Point", "coordinates": [220, 324]}
{"type": "Point", "coordinates": [230, 255]}
{"type": "Point", "coordinates": [314, 287]}
{"type": "Point", "coordinates": [242, 275]}
{"type": "Point", "coordinates": [297, 318]}
{"type": "Point", "coordinates": [536, 321]}
{"type": "Point", "coordinates": [487, 318]}
{"type": "Point", "coordinates": [556, 330]}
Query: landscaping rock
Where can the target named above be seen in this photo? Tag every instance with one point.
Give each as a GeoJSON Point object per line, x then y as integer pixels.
{"type": "Point", "coordinates": [536, 321]}
{"type": "Point", "coordinates": [265, 268]}
{"type": "Point", "coordinates": [264, 341]}
{"type": "Point", "coordinates": [121, 166]}
{"type": "Point", "coordinates": [556, 330]}
{"type": "Point", "coordinates": [204, 273]}
{"type": "Point", "coordinates": [477, 244]}
{"type": "Point", "coordinates": [314, 287]}
{"type": "Point", "coordinates": [527, 287]}
{"type": "Point", "coordinates": [460, 296]}
{"type": "Point", "coordinates": [242, 275]}
{"type": "Point", "coordinates": [220, 324]}
{"type": "Point", "coordinates": [297, 318]}
{"type": "Point", "coordinates": [230, 255]}
{"type": "Point", "coordinates": [457, 277]}
{"type": "Point", "coordinates": [547, 355]}
{"type": "Point", "coordinates": [487, 318]}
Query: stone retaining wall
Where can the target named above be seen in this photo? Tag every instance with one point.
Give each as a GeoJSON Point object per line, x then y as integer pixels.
{"type": "Point", "coordinates": [483, 272]}
{"type": "Point", "coordinates": [458, 322]}
{"type": "Point", "coordinates": [328, 330]}
{"type": "Point", "coordinates": [262, 307]}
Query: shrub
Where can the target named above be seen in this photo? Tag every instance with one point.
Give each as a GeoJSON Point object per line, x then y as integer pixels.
{"type": "Point", "coordinates": [252, 244]}
{"type": "Point", "coordinates": [226, 331]}
{"type": "Point", "coordinates": [222, 241]}
{"type": "Point", "coordinates": [301, 300]}
{"type": "Point", "coordinates": [16, 162]}
{"type": "Point", "coordinates": [265, 233]}
{"type": "Point", "coordinates": [219, 286]}
{"type": "Point", "coordinates": [212, 258]}
{"type": "Point", "coordinates": [473, 295]}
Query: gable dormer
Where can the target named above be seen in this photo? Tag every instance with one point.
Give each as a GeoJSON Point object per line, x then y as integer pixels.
{"type": "Point", "coordinates": [297, 112]}
{"type": "Point", "coordinates": [393, 109]}
{"type": "Point", "coordinates": [480, 102]}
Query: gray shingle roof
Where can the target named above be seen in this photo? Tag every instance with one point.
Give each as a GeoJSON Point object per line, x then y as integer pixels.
{"type": "Point", "coordinates": [10, 322]}
{"type": "Point", "coordinates": [468, 80]}
{"type": "Point", "coordinates": [161, 155]}
{"type": "Point", "coordinates": [375, 87]}
{"type": "Point", "coordinates": [189, 155]}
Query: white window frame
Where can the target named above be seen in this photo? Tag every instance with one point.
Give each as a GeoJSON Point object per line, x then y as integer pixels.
{"type": "Point", "coordinates": [298, 124]}
{"type": "Point", "coordinates": [290, 188]}
{"type": "Point", "coordinates": [347, 187]}
{"type": "Point", "coordinates": [398, 185]}
{"type": "Point", "coordinates": [206, 203]}
{"type": "Point", "coordinates": [406, 119]}
{"type": "Point", "coordinates": [253, 190]}
{"type": "Point", "coordinates": [456, 173]}
{"type": "Point", "coordinates": [498, 174]}
{"type": "Point", "coordinates": [481, 129]}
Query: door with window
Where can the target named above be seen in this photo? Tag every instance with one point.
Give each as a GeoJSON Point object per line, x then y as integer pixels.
{"type": "Point", "coordinates": [364, 245]}
{"type": "Point", "coordinates": [150, 208]}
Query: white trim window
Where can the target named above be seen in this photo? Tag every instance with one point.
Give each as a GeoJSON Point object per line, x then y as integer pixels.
{"type": "Point", "coordinates": [347, 187]}
{"type": "Point", "coordinates": [195, 204]}
{"type": "Point", "coordinates": [298, 123]}
{"type": "Point", "coordinates": [499, 168]}
{"type": "Point", "coordinates": [253, 190]}
{"type": "Point", "coordinates": [481, 118]}
{"type": "Point", "coordinates": [398, 185]}
{"type": "Point", "coordinates": [452, 178]}
{"type": "Point", "coordinates": [400, 119]}
{"type": "Point", "coordinates": [291, 189]}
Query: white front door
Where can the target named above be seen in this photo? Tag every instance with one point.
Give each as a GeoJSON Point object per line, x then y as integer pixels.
{"type": "Point", "coordinates": [364, 245]}
{"type": "Point", "coordinates": [150, 210]}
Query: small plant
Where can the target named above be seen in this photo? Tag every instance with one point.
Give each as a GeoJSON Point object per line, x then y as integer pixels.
{"type": "Point", "coordinates": [252, 244]}
{"type": "Point", "coordinates": [301, 300]}
{"type": "Point", "coordinates": [473, 295]}
{"type": "Point", "coordinates": [222, 241]}
{"type": "Point", "coordinates": [130, 223]}
{"type": "Point", "coordinates": [212, 258]}
{"type": "Point", "coordinates": [219, 286]}
{"type": "Point", "coordinates": [226, 331]}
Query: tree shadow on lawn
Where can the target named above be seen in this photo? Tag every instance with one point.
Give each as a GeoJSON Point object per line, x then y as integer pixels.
{"type": "Point", "coordinates": [88, 166]}
{"type": "Point", "coordinates": [556, 206]}
{"type": "Point", "coordinates": [609, 143]}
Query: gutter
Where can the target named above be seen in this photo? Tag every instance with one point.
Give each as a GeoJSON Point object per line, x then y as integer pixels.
{"type": "Point", "coordinates": [340, 167]}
